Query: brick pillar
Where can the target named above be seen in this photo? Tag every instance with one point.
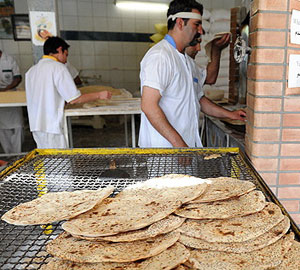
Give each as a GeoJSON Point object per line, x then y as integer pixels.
{"type": "Point", "coordinates": [273, 127]}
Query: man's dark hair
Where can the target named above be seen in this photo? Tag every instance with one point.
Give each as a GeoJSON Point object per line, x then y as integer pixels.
{"type": "Point", "coordinates": [53, 43]}
{"type": "Point", "coordinates": [182, 6]}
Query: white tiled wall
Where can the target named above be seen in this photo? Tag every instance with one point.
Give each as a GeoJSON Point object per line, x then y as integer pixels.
{"type": "Point", "coordinates": [113, 63]}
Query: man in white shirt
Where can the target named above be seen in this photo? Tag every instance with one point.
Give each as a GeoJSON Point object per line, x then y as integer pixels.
{"type": "Point", "coordinates": [49, 85]}
{"type": "Point", "coordinates": [170, 94]}
{"type": "Point", "coordinates": [11, 119]}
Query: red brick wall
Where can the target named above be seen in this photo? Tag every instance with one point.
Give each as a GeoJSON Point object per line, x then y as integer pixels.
{"type": "Point", "coordinates": [273, 126]}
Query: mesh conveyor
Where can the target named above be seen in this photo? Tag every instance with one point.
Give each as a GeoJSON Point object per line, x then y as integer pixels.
{"type": "Point", "coordinates": [41, 171]}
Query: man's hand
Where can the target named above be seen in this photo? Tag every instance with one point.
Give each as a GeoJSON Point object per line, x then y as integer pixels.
{"type": "Point", "coordinates": [105, 95]}
{"type": "Point", "coordinates": [238, 115]}
{"type": "Point", "coordinates": [222, 42]}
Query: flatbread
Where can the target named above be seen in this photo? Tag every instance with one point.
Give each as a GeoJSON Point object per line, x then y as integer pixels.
{"type": "Point", "coordinates": [98, 88]}
{"type": "Point", "coordinates": [208, 45]}
{"type": "Point", "coordinates": [165, 260]}
{"type": "Point", "coordinates": [264, 258]}
{"type": "Point", "coordinates": [262, 241]}
{"type": "Point", "coordinates": [134, 208]}
{"type": "Point", "coordinates": [291, 258]}
{"type": "Point", "coordinates": [56, 206]}
{"type": "Point", "coordinates": [82, 251]}
{"type": "Point", "coordinates": [249, 203]}
{"type": "Point", "coordinates": [238, 229]}
{"type": "Point", "coordinates": [163, 226]}
{"type": "Point", "coordinates": [223, 188]}
{"type": "Point", "coordinates": [212, 156]}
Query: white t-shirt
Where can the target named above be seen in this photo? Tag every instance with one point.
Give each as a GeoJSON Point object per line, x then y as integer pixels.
{"type": "Point", "coordinates": [171, 72]}
{"type": "Point", "coordinates": [48, 85]}
{"type": "Point", "coordinates": [9, 117]}
{"type": "Point", "coordinates": [73, 71]}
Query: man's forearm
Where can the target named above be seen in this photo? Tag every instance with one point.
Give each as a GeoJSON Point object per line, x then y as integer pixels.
{"type": "Point", "coordinates": [16, 81]}
{"type": "Point", "coordinates": [159, 121]}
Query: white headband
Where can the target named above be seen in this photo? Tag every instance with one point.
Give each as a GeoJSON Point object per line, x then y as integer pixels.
{"type": "Point", "coordinates": [185, 15]}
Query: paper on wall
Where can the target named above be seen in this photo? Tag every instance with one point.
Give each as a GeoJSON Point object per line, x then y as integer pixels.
{"type": "Point", "coordinates": [295, 27]}
{"type": "Point", "coordinates": [294, 71]}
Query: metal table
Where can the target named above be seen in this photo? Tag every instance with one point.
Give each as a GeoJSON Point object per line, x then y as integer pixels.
{"type": "Point", "coordinates": [116, 107]}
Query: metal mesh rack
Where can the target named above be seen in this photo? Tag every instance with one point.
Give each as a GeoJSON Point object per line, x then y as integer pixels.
{"type": "Point", "coordinates": [41, 171]}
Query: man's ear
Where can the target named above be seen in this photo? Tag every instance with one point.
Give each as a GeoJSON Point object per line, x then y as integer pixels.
{"type": "Point", "coordinates": [59, 49]}
{"type": "Point", "coordinates": [180, 23]}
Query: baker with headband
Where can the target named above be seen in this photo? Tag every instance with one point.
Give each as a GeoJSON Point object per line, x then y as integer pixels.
{"type": "Point", "coordinates": [171, 84]}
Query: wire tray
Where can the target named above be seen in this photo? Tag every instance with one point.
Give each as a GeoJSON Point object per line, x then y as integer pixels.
{"type": "Point", "coordinates": [41, 171]}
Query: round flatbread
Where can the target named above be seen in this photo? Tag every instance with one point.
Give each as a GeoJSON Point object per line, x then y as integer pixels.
{"type": "Point", "coordinates": [82, 251]}
{"type": "Point", "coordinates": [163, 226]}
{"type": "Point", "coordinates": [237, 229]}
{"type": "Point", "coordinates": [166, 260]}
{"type": "Point", "coordinates": [264, 258]}
{"type": "Point", "coordinates": [249, 203]}
{"type": "Point", "coordinates": [223, 188]}
{"type": "Point", "coordinates": [56, 206]}
{"type": "Point", "coordinates": [262, 241]}
{"type": "Point", "coordinates": [291, 258]}
{"type": "Point", "coordinates": [134, 208]}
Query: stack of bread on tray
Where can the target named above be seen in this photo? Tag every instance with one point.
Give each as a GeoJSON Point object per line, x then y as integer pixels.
{"type": "Point", "coordinates": [170, 222]}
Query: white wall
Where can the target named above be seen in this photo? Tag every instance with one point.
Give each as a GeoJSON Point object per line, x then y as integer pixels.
{"type": "Point", "coordinates": [115, 63]}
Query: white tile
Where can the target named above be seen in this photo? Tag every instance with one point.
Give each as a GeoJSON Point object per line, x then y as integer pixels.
{"type": "Point", "coordinates": [102, 62]}
{"type": "Point", "coordinates": [113, 11]}
{"type": "Point", "coordinates": [141, 25]}
{"type": "Point", "coordinates": [142, 48]}
{"type": "Point", "coordinates": [74, 47]}
{"type": "Point", "coordinates": [104, 75]}
{"type": "Point", "coordinates": [99, 9]}
{"type": "Point", "coordinates": [127, 13]}
{"type": "Point", "coordinates": [10, 46]}
{"type": "Point", "coordinates": [130, 62]}
{"type": "Point", "coordinates": [75, 61]}
{"type": "Point", "coordinates": [101, 47]}
{"type": "Point", "coordinates": [100, 24]}
{"type": "Point", "coordinates": [86, 23]}
{"type": "Point", "coordinates": [114, 24]}
{"type": "Point", "coordinates": [129, 48]}
{"type": "Point", "coordinates": [131, 76]}
{"type": "Point", "coordinates": [70, 23]}
{"type": "Point", "coordinates": [26, 61]}
{"type": "Point", "coordinates": [128, 25]}
{"type": "Point", "coordinates": [87, 62]}
{"type": "Point", "coordinates": [25, 47]}
{"type": "Point", "coordinates": [85, 8]}
{"type": "Point", "coordinates": [142, 14]}
{"type": "Point", "coordinates": [116, 76]}
{"type": "Point", "coordinates": [99, 1]}
{"type": "Point", "coordinates": [115, 48]}
{"type": "Point", "coordinates": [70, 7]}
{"type": "Point", "coordinates": [116, 62]}
{"type": "Point", "coordinates": [87, 48]}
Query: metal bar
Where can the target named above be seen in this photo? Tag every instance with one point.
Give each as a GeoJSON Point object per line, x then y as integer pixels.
{"type": "Point", "coordinates": [133, 131]}
{"type": "Point", "coordinates": [126, 130]}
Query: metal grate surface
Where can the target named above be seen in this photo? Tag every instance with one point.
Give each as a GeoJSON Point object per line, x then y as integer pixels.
{"type": "Point", "coordinates": [23, 247]}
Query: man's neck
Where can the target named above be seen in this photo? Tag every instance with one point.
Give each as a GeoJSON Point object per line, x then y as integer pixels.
{"type": "Point", "coordinates": [180, 46]}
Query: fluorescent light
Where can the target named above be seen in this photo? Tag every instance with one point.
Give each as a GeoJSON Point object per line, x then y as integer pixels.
{"type": "Point", "coordinates": [144, 6]}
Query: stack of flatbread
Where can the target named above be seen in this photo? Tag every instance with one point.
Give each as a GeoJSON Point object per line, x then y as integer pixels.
{"type": "Point", "coordinates": [171, 222]}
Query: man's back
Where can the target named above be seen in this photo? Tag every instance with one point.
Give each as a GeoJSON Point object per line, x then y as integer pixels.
{"type": "Point", "coordinates": [48, 86]}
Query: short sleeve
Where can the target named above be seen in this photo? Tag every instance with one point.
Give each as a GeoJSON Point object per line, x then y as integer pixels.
{"type": "Point", "coordinates": [155, 71]}
{"type": "Point", "coordinates": [65, 84]}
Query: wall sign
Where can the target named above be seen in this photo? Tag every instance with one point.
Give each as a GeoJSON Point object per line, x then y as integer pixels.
{"type": "Point", "coordinates": [295, 27]}
{"type": "Point", "coordinates": [43, 25]}
{"type": "Point", "coordinates": [294, 71]}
